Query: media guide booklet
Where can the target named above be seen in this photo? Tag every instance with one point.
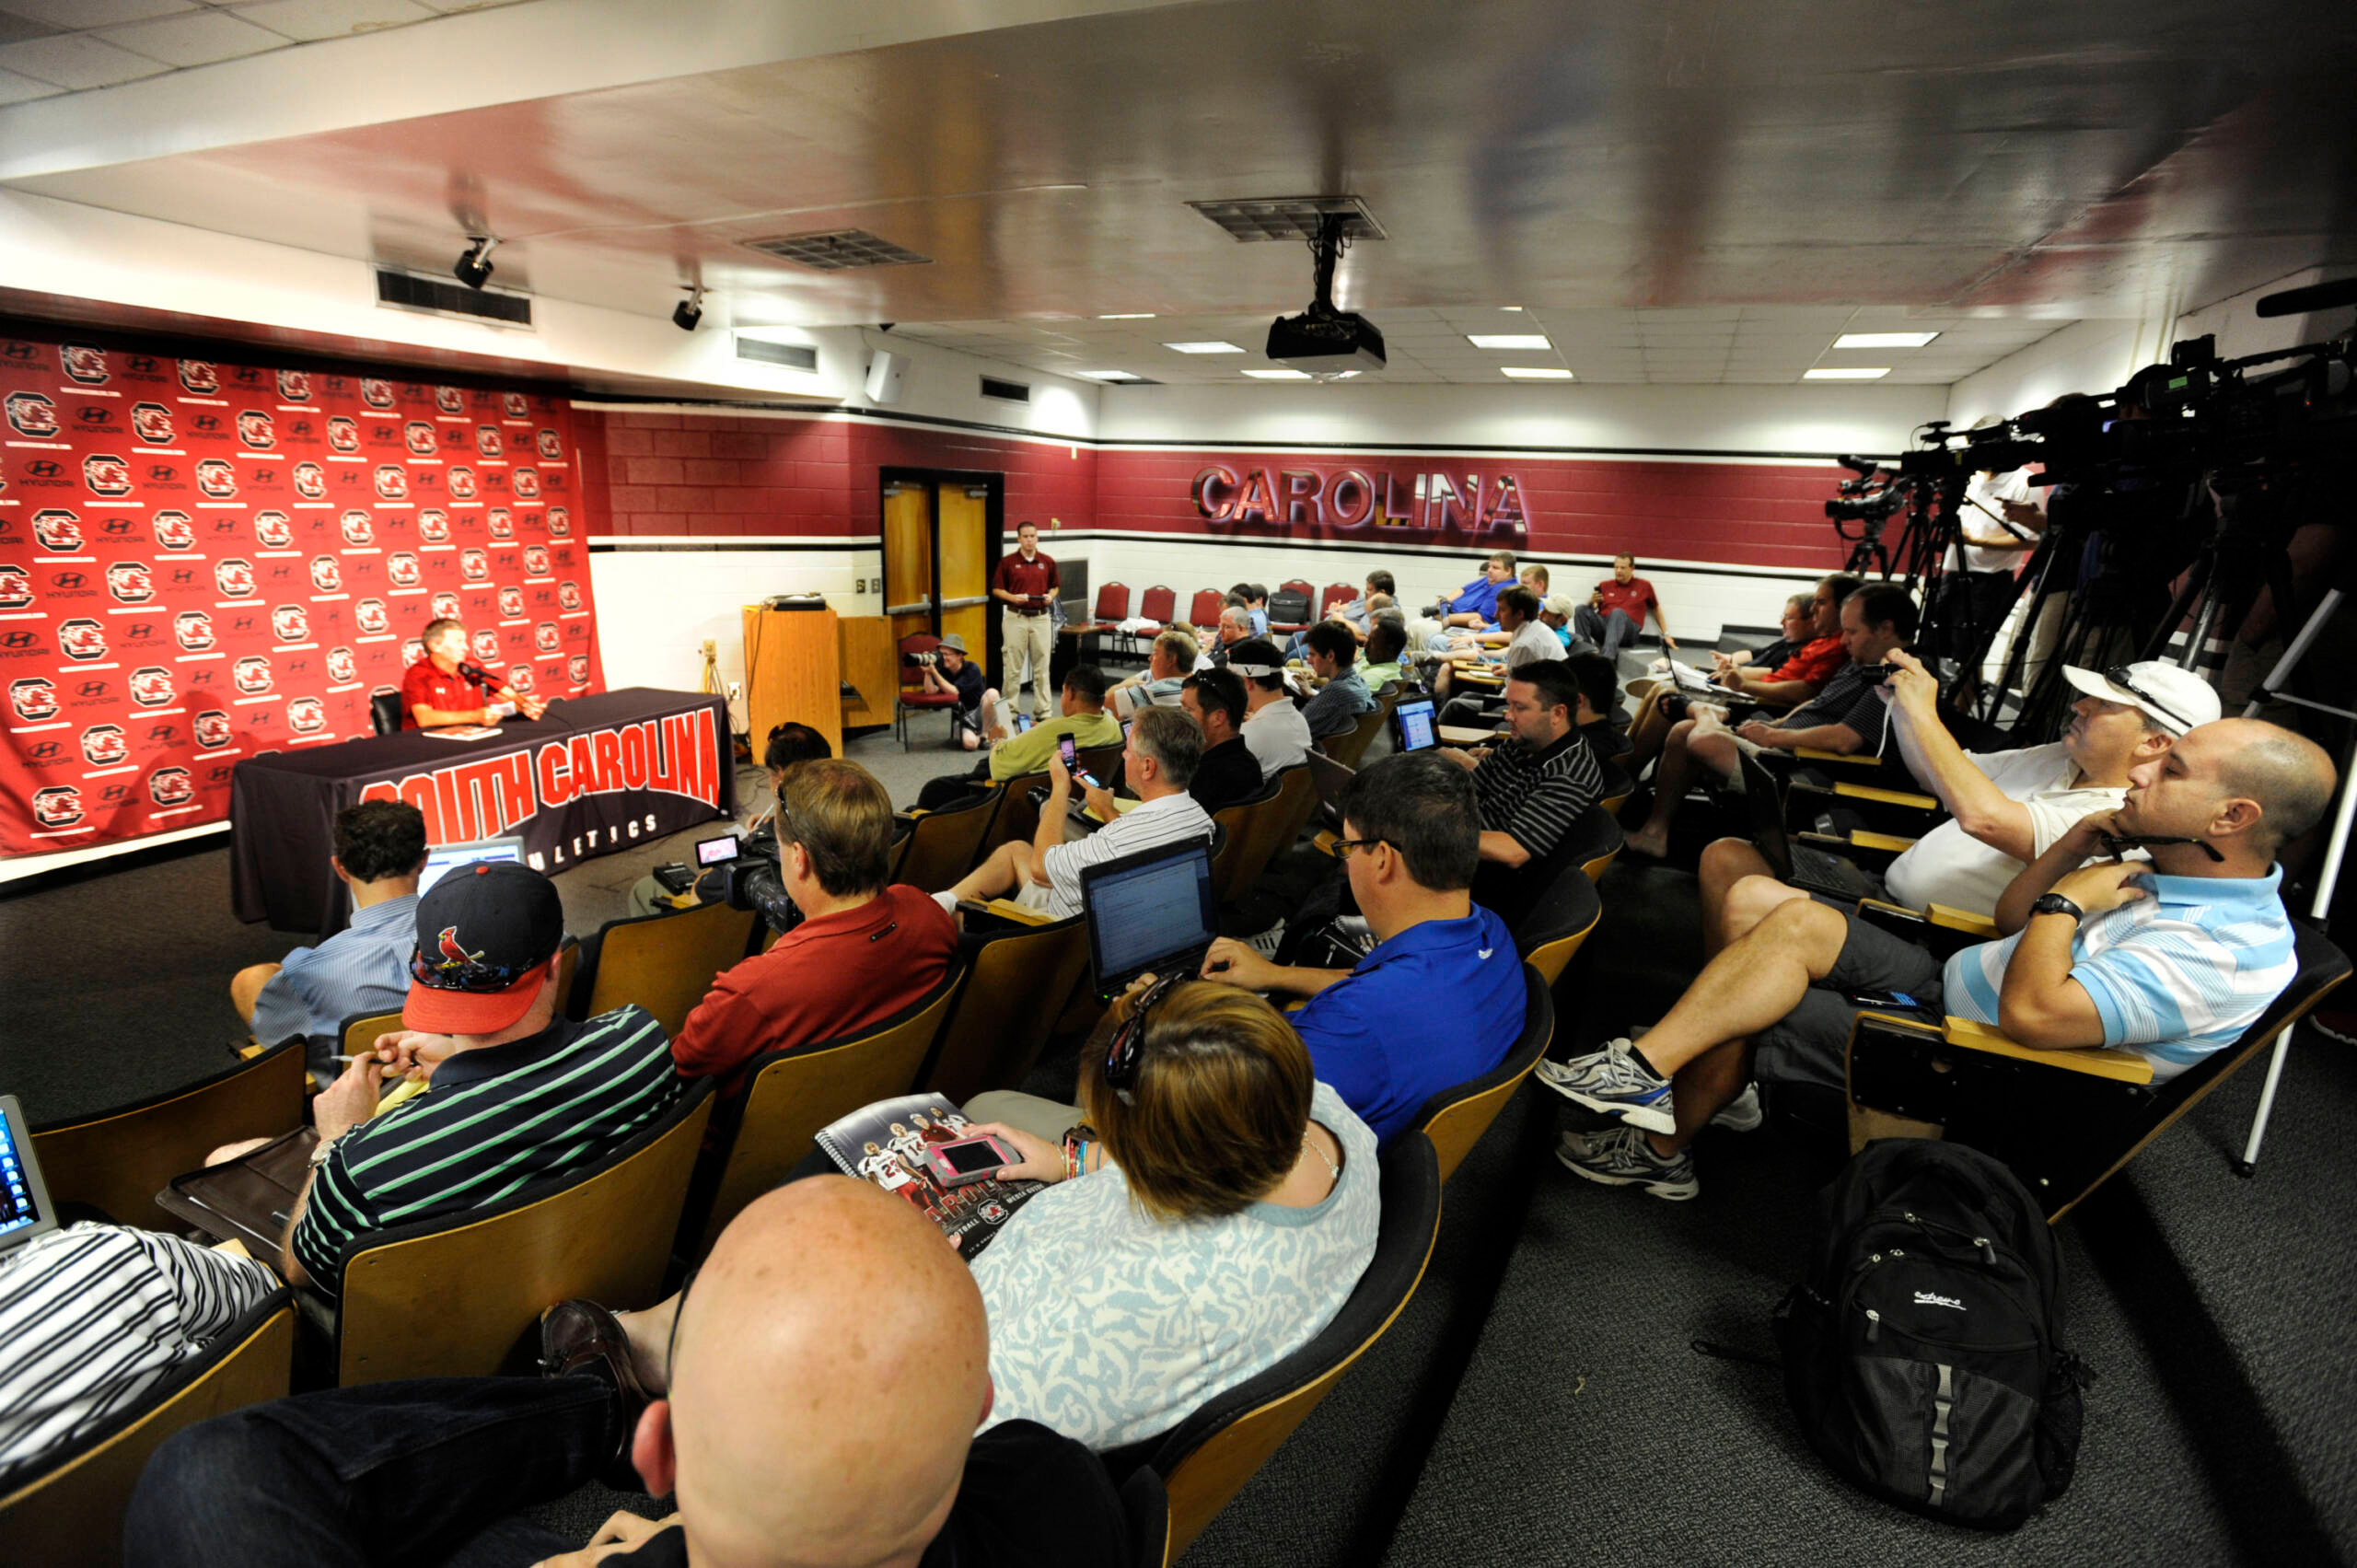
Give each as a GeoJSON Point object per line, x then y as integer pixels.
{"type": "Point", "coordinates": [885, 1144]}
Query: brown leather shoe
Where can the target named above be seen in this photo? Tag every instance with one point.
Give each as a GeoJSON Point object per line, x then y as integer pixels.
{"type": "Point", "coordinates": [582, 1338]}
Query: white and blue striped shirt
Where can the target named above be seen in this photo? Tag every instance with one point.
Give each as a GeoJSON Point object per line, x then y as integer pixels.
{"type": "Point", "coordinates": [2174, 975]}
{"type": "Point", "coordinates": [361, 970]}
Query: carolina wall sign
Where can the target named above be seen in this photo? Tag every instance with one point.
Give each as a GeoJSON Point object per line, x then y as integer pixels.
{"type": "Point", "coordinates": [204, 562]}
{"type": "Point", "coordinates": [1463, 506]}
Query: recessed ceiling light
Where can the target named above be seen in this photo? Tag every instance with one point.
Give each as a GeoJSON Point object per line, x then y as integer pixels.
{"type": "Point", "coordinates": [1535, 372]}
{"type": "Point", "coordinates": [1508, 340]}
{"type": "Point", "coordinates": [1203, 348]}
{"type": "Point", "coordinates": [1109, 374]}
{"type": "Point", "coordinates": [1128, 316]}
{"type": "Point", "coordinates": [1513, 308]}
{"type": "Point", "coordinates": [1884, 340]}
{"type": "Point", "coordinates": [1839, 374]}
{"type": "Point", "coordinates": [1278, 375]}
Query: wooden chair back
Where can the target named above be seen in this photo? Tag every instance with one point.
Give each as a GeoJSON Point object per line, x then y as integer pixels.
{"type": "Point", "coordinates": [666, 962]}
{"type": "Point", "coordinates": [1013, 800]}
{"type": "Point", "coordinates": [1552, 930]}
{"type": "Point", "coordinates": [1456, 1118]}
{"type": "Point", "coordinates": [1206, 1459]}
{"type": "Point", "coordinates": [362, 1033]}
{"type": "Point", "coordinates": [1236, 825]}
{"type": "Point", "coordinates": [789, 1095]}
{"type": "Point", "coordinates": [1273, 825]}
{"type": "Point", "coordinates": [1017, 983]}
{"type": "Point", "coordinates": [943, 844]}
{"type": "Point", "coordinates": [1348, 749]}
{"type": "Point", "coordinates": [2065, 1121]}
{"type": "Point", "coordinates": [118, 1160]}
{"type": "Point", "coordinates": [70, 1516]}
{"type": "Point", "coordinates": [455, 1296]}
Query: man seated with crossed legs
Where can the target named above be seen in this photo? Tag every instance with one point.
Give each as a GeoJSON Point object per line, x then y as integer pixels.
{"type": "Point", "coordinates": [2173, 957]}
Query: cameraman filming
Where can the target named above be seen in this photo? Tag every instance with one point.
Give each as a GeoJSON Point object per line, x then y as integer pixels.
{"type": "Point", "coordinates": [757, 883]}
{"type": "Point", "coordinates": [2001, 519]}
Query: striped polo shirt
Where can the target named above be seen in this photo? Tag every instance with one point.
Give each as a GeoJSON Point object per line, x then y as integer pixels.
{"type": "Point", "coordinates": [496, 1121]}
{"type": "Point", "coordinates": [2174, 975]}
{"type": "Point", "coordinates": [1535, 795]}
{"type": "Point", "coordinates": [93, 1316]}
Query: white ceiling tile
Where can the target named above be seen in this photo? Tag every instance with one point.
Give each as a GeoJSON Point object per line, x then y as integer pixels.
{"type": "Point", "coordinates": [19, 89]}
{"type": "Point", "coordinates": [201, 37]}
{"type": "Point", "coordinates": [80, 14]}
{"type": "Point", "coordinates": [76, 59]}
{"type": "Point", "coordinates": [310, 19]}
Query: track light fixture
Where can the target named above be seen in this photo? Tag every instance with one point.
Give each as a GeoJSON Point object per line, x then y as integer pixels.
{"type": "Point", "coordinates": [474, 266]}
{"type": "Point", "coordinates": [689, 311]}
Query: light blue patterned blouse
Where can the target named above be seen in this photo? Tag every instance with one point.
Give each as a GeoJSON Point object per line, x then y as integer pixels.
{"type": "Point", "coordinates": [1111, 1327]}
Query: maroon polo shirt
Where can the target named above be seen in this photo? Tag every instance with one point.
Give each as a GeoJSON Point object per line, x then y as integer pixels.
{"type": "Point", "coordinates": [427, 684]}
{"type": "Point", "coordinates": [1631, 599]}
{"type": "Point", "coordinates": [1034, 579]}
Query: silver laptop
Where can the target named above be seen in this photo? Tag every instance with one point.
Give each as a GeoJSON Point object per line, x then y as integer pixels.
{"type": "Point", "coordinates": [25, 1208]}
{"type": "Point", "coordinates": [441, 861]}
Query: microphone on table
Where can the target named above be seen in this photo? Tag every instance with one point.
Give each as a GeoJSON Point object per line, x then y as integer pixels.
{"type": "Point", "coordinates": [479, 675]}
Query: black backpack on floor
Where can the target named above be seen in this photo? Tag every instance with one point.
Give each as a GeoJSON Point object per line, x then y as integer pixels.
{"type": "Point", "coordinates": [1922, 1350]}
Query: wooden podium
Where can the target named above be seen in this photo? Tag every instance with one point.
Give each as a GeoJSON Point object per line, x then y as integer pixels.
{"type": "Point", "coordinates": [792, 673]}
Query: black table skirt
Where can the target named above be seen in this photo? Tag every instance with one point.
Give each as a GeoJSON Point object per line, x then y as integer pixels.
{"type": "Point", "coordinates": [593, 775]}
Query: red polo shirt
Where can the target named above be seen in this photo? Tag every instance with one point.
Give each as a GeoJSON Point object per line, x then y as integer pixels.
{"type": "Point", "coordinates": [427, 684]}
{"type": "Point", "coordinates": [1815, 663]}
{"type": "Point", "coordinates": [825, 979]}
{"type": "Point", "coordinates": [1631, 599]}
{"type": "Point", "coordinates": [1034, 579]}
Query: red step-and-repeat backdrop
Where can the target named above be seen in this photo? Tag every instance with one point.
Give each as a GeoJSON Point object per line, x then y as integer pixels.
{"type": "Point", "coordinates": [203, 561]}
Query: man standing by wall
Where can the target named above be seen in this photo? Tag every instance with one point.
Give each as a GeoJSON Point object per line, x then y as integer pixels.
{"type": "Point", "coordinates": [1026, 582]}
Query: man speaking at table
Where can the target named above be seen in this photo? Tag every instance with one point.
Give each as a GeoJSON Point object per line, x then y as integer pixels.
{"type": "Point", "coordinates": [443, 688]}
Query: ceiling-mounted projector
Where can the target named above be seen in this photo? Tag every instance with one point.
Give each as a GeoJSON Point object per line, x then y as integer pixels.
{"type": "Point", "coordinates": [1322, 340]}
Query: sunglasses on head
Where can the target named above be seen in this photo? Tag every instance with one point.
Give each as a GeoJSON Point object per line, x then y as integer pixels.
{"type": "Point", "coordinates": [2118, 675]}
{"type": "Point", "coordinates": [1128, 1045]}
{"type": "Point", "coordinates": [447, 974]}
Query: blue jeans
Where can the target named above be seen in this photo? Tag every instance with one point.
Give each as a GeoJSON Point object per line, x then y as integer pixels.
{"type": "Point", "coordinates": [426, 1470]}
{"type": "Point", "coordinates": [1610, 631]}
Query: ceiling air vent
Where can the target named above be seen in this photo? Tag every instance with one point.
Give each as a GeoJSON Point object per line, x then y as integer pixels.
{"type": "Point", "coordinates": [1011, 391]}
{"type": "Point", "coordinates": [1291, 217]}
{"type": "Point", "coordinates": [833, 252]}
{"type": "Point", "coordinates": [793, 357]}
{"type": "Point", "coordinates": [406, 291]}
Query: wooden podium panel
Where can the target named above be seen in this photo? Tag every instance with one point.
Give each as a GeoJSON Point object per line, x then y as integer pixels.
{"type": "Point", "coordinates": [871, 662]}
{"type": "Point", "coordinates": [792, 673]}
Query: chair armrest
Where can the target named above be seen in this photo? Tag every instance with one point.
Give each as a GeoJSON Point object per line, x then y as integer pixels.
{"type": "Point", "coordinates": [1890, 843]}
{"type": "Point", "coordinates": [1326, 843]}
{"type": "Point", "coordinates": [1479, 676]}
{"type": "Point", "coordinates": [913, 812]}
{"type": "Point", "coordinates": [2120, 1066]}
{"type": "Point", "coordinates": [1007, 909]}
{"type": "Point", "coordinates": [1464, 735]}
{"type": "Point", "coordinates": [1887, 796]}
{"type": "Point", "coordinates": [1979, 926]}
{"type": "Point", "coordinates": [1855, 758]}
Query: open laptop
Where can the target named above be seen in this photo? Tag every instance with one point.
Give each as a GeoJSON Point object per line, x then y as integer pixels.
{"type": "Point", "coordinates": [441, 861]}
{"type": "Point", "coordinates": [1155, 911]}
{"type": "Point", "coordinates": [25, 1208]}
{"type": "Point", "coordinates": [1414, 725]}
{"type": "Point", "coordinates": [1802, 865]}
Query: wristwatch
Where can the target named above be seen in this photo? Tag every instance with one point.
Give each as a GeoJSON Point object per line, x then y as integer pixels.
{"type": "Point", "coordinates": [319, 1152]}
{"type": "Point", "coordinates": [2055, 903]}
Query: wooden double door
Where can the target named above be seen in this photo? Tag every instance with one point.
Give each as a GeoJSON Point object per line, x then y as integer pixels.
{"type": "Point", "coordinates": [941, 533]}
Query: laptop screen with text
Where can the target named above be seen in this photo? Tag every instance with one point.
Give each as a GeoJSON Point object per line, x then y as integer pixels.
{"type": "Point", "coordinates": [1146, 908]}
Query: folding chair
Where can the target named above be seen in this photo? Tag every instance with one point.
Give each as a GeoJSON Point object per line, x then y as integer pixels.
{"type": "Point", "coordinates": [118, 1160]}
{"type": "Point", "coordinates": [666, 962]}
{"type": "Point", "coordinates": [912, 693]}
{"type": "Point", "coordinates": [458, 1295]}
{"type": "Point", "coordinates": [1203, 612]}
{"type": "Point", "coordinates": [70, 1516]}
{"type": "Point", "coordinates": [1289, 609]}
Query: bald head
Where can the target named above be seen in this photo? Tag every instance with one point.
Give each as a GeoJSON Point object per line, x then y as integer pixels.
{"type": "Point", "coordinates": [2289, 775]}
{"type": "Point", "coordinates": [829, 1367]}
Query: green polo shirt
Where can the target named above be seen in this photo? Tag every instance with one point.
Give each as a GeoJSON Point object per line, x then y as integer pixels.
{"type": "Point", "coordinates": [1029, 752]}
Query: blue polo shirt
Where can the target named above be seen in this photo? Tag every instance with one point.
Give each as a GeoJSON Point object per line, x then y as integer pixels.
{"type": "Point", "coordinates": [1481, 598]}
{"type": "Point", "coordinates": [1437, 1004]}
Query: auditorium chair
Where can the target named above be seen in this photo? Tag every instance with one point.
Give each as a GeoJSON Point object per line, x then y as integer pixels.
{"type": "Point", "coordinates": [385, 712]}
{"type": "Point", "coordinates": [1615, 785]}
{"type": "Point", "coordinates": [1456, 1118]}
{"type": "Point", "coordinates": [2062, 1120]}
{"type": "Point", "coordinates": [1019, 818]}
{"type": "Point", "coordinates": [912, 691]}
{"type": "Point", "coordinates": [1274, 825]}
{"type": "Point", "coordinates": [1019, 978]}
{"type": "Point", "coordinates": [70, 1516]}
{"type": "Point", "coordinates": [1558, 921]}
{"type": "Point", "coordinates": [118, 1160]}
{"type": "Point", "coordinates": [1203, 613]}
{"type": "Point", "coordinates": [1348, 749]}
{"type": "Point", "coordinates": [1328, 776]}
{"type": "Point", "coordinates": [1238, 823]}
{"type": "Point", "coordinates": [361, 1032]}
{"type": "Point", "coordinates": [943, 844]}
{"type": "Point", "coordinates": [1146, 1508]}
{"type": "Point", "coordinates": [1206, 1458]}
{"type": "Point", "coordinates": [665, 963]}
{"type": "Point", "coordinates": [1589, 845]}
{"type": "Point", "coordinates": [462, 1295]}
{"type": "Point", "coordinates": [765, 1127]}
{"type": "Point", "coordinates": [1289, 609]}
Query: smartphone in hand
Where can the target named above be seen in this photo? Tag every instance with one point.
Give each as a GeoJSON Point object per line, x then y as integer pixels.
{"type": "Point", "coordinates": [1069, 752]}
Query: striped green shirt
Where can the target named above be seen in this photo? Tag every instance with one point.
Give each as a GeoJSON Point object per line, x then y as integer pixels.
{"type": "Point", "coordinates": [496, 1121]}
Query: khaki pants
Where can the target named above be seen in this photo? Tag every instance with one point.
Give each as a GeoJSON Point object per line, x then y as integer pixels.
{"type": "Point", "coordinates": [1028, 643]}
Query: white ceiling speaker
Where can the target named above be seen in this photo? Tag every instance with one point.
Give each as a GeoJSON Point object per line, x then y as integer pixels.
{"type": "Point", "coordinates": [885, 375]}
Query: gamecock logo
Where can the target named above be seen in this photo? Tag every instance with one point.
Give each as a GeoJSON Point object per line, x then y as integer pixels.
{"type": "Point", "coordinates": [419, 437]}
{"type": "Point", "coordinates": [295, 386]}
{"type": "Point", "coordinates": [358, 528]}
{"type": "Point", "coordinates": [450, 400]}
{"type": "Point", "coordinates": [59, 805]}
{"type": "Point", "coordinates": [255, 429]}
{"type": "Point", "coordinates": [310, 481]}
{"type": "Point", "coordinates": [370, 617]}
{"type": "Point", "coordinates": [212, 729]}
{"type": "Point", "coordinates": [528, 484]}
{"type": "Point", "coordinates": [376, 393]}
{"type": "Point", "coordinates": [474, 565]}
{"type": "Point", "coordinates": [326, 575]}
{"type": "Point", "coordinates": [273, 530]}
{"type": "Point", "coordinates": [83, 640]}
{"type": "Point", "coordinates": [462, 485]}
{"type": "Point", "coordinates": [193, 630]}
{"type": "Point", "coordinates": [486, 643]}
{"type": "Point", "coordinates": [103, 745]}
{"type": "Point", "coordinates": [446, 605]}
{"type": "Point", "coordinates": [198, 375]}
{"type": "Point", "coordinates": [392, 484]}
{"type": "Point", "coordinates": [343, 665]}
{"type": "Point", "coordinates": [29, 413]}
{"type": "Point", "coordinates": [33, 698]}
{"type": "Point", "coordinates": [510, 603]}
{"type": "Point", "coordinates": [560, 523]}
{"type": "Point", "coordinates": [514, 404]}
{"type": "Point", "coordinates": [129, 582]}
{"type": "Point", "coordinates": [568, 595]}
{"type": "Point", "coordinates": [234, 579]}
{"type": "Point", "coordinates": [252, 675]}
{"type": "Point", "coordinates": [487, 441]}
{"type": "Point", "coordinates": [290, 622]}
{"type": "Point", "coordinates": [536, 560]}
{"type": "Point", "coordinates": [549, 447]}
{"type": "Point", "coordinates": [412, 651]}
{"type": "Point", "coordinates": [519, 677]}
{"type": "Point", "coordinates": [57, 530]}
{"type": "Point", "coordinates": [433, 525]}
{"type": "Point", "coordinates": [577, 670]}
{"type": "Point", "coordinates": [175, 531]}
{"type": "Point", "coordinates": [171, 786]}
{"type": "Point", "coordinates": [307, 715]}
{"type": "Point", "coordinates": [151, 686]}
{"type": "Point", "coordinates": [217, 478]}
{"type": "Point", "coordinates": [502, 522]}
{"type": "Point", "coordinates": [106, 475]}
{"type": "Point", "coordinates": [16, 586]}
{"type": "Point", "coordinates": [344, 434]}
{"type": "Point", "coordinates": [83, 362]}
{"type": "Point", "coordinates": [544, 636]}
{"type": "Point", "coordinates": [152, 422]}
{"type": "Point", "coordinates": [402, 569]}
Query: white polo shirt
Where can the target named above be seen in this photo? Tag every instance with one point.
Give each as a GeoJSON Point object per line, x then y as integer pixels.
{"type": "Point", "coordinates": [1278, 736]}
{"type": "Point", "coordinates": [1950, 867]}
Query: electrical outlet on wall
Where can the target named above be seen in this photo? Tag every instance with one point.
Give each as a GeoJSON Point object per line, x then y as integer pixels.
{"type": "Point", "coordinates": [736, 691]}
{"type": "Point", "coordinates": [859, 585]}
